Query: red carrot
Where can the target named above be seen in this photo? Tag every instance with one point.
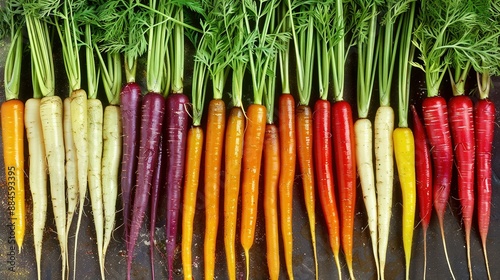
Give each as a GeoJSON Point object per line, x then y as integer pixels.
{"type": "Point", "coordinates": [153, 107]}
{"type": "Point", "coordinates": [324, 173]}
{"type": "Point", "coordinates": [436, 125]}
{"type": "Point", "coordinates": [344, 153]}
{"type": "Point", "coordinates": [484, 119]}
{"type": "Point", "coordinates": [462, 131]}
{"type": "Point", "coordinates": [423, 171]}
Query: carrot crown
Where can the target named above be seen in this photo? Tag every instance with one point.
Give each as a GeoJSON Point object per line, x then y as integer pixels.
{"type": "Point", "coordinates": [12, 24]}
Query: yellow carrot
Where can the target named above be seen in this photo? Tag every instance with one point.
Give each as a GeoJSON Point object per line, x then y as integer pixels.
{"type": "Point", "coordinates": [404, 151]}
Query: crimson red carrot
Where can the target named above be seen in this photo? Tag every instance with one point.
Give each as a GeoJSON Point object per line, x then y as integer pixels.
{"type": "Point", "coordinates": [323, 153]}
{"type": "Point", "coordinates": [344, 154]}
{"type": "Point", "coordinates": [423, 171]}
{"type": "Point", "coordinates": [462, 131]}
{"type": "Point", "coordinates": [484, 121]}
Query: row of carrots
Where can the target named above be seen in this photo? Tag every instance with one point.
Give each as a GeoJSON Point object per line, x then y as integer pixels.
{"type": "Point", "coordinates": [81, 144]}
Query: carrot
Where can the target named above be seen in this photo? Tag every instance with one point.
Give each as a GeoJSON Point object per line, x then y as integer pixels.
{"type": "Point", "coordinates": [213, 161]}
{"type": "Point", "coordinates": [252, 153]}
{"type": "Point", "coordinates": [153, 107]}
{"type": "Point", "coordinates": [37, 174]}
{"type": "Point", "coordinates": [271, 165]}
{"type": "Point", "coordinates": [71, 165]}
{"type": "Point", "coordinates": [130, 106]}
{"type": "Point", "coordinates": [233, 153]}
{"type": "Point", "coordinates": [344, 154]}
{"type": "Point", "coordinates": [404, 143]}
{"type": "Point", "coordinates": [462, 131]}
{"type": "Point", "coordinates": [484, 119]}
{"type": "Point", "coordinates": [365, 36]}
{"type": "Point", "coordinates": [404, 151]}
{"type": "Point", "coordinates": [194, 148]}
{"type": "Point", "coordinates": [423, 172]}
{"type": "Point", "coordinates": [12, 120]}
{"type": "Point", "coordinates": [288, 155]}
{"type": "Point", "coordinates": [175, 134]}
{"type": "Point", "coordinates": [261, 61]}
{"type": "Point", "coordinates": [12, 117]}
{"type": "Point", "coordinates": [51, 118]}
{"type": "Point", "coordinates": [323, 153]}
{"type": "Point", "coordinates": [304, 56]}
{"type": "Point", "coordinates": [435, 115]}
{"type": "Point", "coordinates": [49, 110]}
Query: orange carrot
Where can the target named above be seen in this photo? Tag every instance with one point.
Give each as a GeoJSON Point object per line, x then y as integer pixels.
{"type": "Point", "coordinates": [288, 154]}
{"type": "Point", "coordinates": [213, 162]}
{"type": "Point", "coordinates": [252, 155]}
{"type": "Point", "coordinates": [233, 155]}
{"type": "Point", "coordinates": [271, 177]}
{"type": "Point", "coordinates": [12, 116]}
{"type": "Point", "coordinates": [194, 147]}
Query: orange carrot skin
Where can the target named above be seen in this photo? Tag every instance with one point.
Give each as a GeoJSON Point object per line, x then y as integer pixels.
{"type": "Point", "coordinates": [271, 177]}
{"type": "Point", "coordinates": [324, 171]}
{"type": "Point", "coordinates": [304, 132]}
{"type": "Point", "coordinates": [252, 156]}
{"type": "Point", "coordinates": [287, 138]}
{"type": "Point", "coordinates": [484, 119]}
{"type": "Point", "coordinates": [194, 146]}
{"type": "Point", "coordinates": [213, 161]}
{"type": "Point", "coordinates": [12, 116]}
{"type": "Point", "coordinates": [344, 153]}
{"type": "Point", "coordinates": [232, 158]}
{"type": "Point", "coordinates": [462, 131]}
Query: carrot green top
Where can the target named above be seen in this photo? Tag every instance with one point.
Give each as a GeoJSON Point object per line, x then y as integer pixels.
{"type": "Point", "coordinates": [36, 12]}
{"type": "Point", "coordinates": [326, 38]}
{"type": "Point", "coordinates": [301, 23]}
{"type": "Point", "coordinates": [111, 73]}
{"type": "Point", "coordinates": [437, 37]}
{"type": "Point", "coordinates": [199, 86]}
{"type": "Point", "coordinates": [480, 48]}
{"type": "Point", "coordinates": [124, 26]}
{"type": "Point", "coordinates": [490, 67]}
{"type": "Point", "coordinates": [284, 54]}
{"type": "Point", "coordinates": [366, 17]}
{"type": "Point", "coordinates": [406, 52]}
{"type": "Point", "coordinates": [11, 23]}
{"type": "Point", "coordinates": [259, 21]}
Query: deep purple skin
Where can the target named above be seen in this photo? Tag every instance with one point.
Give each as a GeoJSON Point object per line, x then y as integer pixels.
{"type": "Point", "coordinates": [153, 108]}
{"type": "Point", "coordinates": [158, 180]}
{"type": "Point", "coordinates": [175, 135]}
{"type": "Point", "coordinates": [130, 106]}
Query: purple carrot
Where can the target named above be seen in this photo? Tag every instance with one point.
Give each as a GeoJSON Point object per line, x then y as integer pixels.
{"type": "Point", "coordinates": [158, 180]}
{"type": "Point", "coordinates": [153, 108]}
{"type": "Point", "coordinates": [175, 133]}
{"type": "Point", "coordinates": [130, 105]}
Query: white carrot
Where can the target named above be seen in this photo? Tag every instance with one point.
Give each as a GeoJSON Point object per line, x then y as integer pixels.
{"type": "Point", "coordinates": [364, 161]}
{"type": "Point", "coordinates": [51, 114]}
{"type": "Point", "coordinates": [95, 121]}
{"type": "Point", "coordinates": [71, 165]}
{"type": "Point", "coordinates": [112, 131]}
{"type": "Point", "coordinates": [37, 174]}
{"type": "Point", "coordinates": [80, 130]}
{"type": "Point", "coordinates": [384, 161]}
